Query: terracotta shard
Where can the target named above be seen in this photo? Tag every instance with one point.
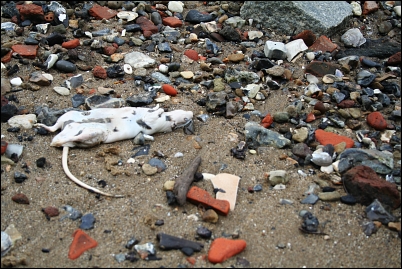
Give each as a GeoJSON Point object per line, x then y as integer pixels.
{"type": "Point", "coordinates": [81, 243]}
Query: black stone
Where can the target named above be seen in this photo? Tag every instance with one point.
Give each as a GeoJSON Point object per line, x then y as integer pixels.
{"type": "Point", "coordinates": [380, 48]}
{"type": "Point", "coordinates": [171, 198]}
{"type": "Point", "coordinates": [7, 112]}
{"type": "Point", "coordinates": [41, 162]}
{"type": "Point", "coordinates": [14, 69]}
{"type": "Point", "coordinates": [115, 71]}
{"type": "Point", "coordinates": [348, 199]}
{"type": "Point", "coordinates": [204, 232]}
{"type": "Point", "coordinates": [198, 176]}
{"type": "Point", "coordinates": [65, 66]}
{"type": "Point", "coordinates": [19, 177]}
{"type": "Point", "coordinates": [132, 28]}
{"type": "Point", "coordinates": [329, 148]}
{"type": "Point", "coordinates": [173, 67]}
{"type": "Point", "coordinates": [31, 41]}
{"type": "Point", "coordinates": [195, 16]}
{"type": "Point", "coordinates": [141, 99]}
{"type": "Point", "coordinates": [310, 223]}
{"type": "Point", "coordinates": [167, 242]}
{"type": "Point", "coordinates": [132, 242]}
{"type": "Point", "coordinates": [187, 251]}
{"type": "Point", "coordinates": [78, 100]}
{"type": "Point", "coordinates": [55, 38]}
{"type": "Point", "coordinates": [328, 189]}
{"type": "Point", "coordinates": [229, 33]}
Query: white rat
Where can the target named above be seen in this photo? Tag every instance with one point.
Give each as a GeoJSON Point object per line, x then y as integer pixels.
{"type": "Point", "coordinates": [106, 125]}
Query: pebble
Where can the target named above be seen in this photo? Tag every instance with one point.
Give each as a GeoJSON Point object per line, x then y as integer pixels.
{"type": "Point", "coordinates": [149, 170]}
{"type": "Point", "coordinates": [87, 221]}
{"type": "Point", "coordinates": [20, 198]}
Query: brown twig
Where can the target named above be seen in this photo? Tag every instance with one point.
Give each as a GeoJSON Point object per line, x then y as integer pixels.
{"type": "Point", "coordinates": [183, 183]}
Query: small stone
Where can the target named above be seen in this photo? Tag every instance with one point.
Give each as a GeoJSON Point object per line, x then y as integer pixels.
{"type": "Point", "coordinates": [329, 196]}
{"type": "Point", "coordinates": [204, 232]}
{"type": "Point", "coordinates": [210, 216]}
{"type": "Point", "coordinates": [377, 121]}
{"type": "Point", "coordinates": [348, 199]}
{"type": "Point", "coordinates": [168, 185]}
{"type": "Point", "coordinates": [51, 211]}
{"type": "Point", "coordinates": [87, 221]}
{"type": "Point", "coordinates": [20, 198]}
{"type": "Point", "coordinates": [149, 170]}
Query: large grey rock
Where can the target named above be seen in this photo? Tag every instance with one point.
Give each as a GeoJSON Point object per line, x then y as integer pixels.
{"type": "Point", "coordinates": [322, 17]}
{"type": "Point", "coordinates": [257, 135]}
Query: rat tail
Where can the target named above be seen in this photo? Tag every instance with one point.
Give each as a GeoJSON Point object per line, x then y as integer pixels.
{"type": "Point", "coordinates": [76, 180]}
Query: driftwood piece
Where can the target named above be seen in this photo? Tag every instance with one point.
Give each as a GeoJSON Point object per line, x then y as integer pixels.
{"type": "Point", "coordinates": [183, 183]}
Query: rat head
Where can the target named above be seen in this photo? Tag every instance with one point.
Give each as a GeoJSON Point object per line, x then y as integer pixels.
{"type": "Point", "coordinates": [166, 121]}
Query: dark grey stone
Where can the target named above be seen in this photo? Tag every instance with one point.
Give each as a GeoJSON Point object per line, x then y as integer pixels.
{"type": "Point", "coordinates": [65, 66]}
{"type": "Point", "coordinates": [382, 162]}
{"type": "Point", "coordinates": [87, 221]}
{"type": "Point", "coordinates": [195, 16]}
{"type": "Point", "coordinates": [257, 135]}
{"type": "Point", "coordinates": [311, 199]}
{"type": "Point", "coordinates": [289, 17]}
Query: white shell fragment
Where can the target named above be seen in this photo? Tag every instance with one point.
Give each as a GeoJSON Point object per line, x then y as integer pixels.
{"type": "Point", "coordinates": [127, 69]}
{"type": "Point", "coordinates": [127, 15]}
{"type": "Point", "coordinates": [353, 38]}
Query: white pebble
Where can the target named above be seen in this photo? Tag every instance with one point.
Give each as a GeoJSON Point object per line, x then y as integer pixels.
{"type": "Point", "coordinates": [178, 155]}
{"type": "Point", "coordinates": [310, 56]}
{"type": "Point", "coordinates": [163, 68]}
{"type": "Point", "coordinates": [16, 81]}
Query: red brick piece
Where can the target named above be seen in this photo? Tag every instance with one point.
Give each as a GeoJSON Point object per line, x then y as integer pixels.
{"type": "Point", "coordinates": [81, 243]}
{"type": "Point", "coordinates": [99, 72]}
{"type": "Point", "coordinates": [326, 138]}
{"type": "Point", "coordinates": [148, 27]}
{"type": "Point", "coordinates": [199, 196]}
{"type": "Point", "coordinates": [267, 121]}
{"type": "Point", "coordinates": [172, 22]}
{"type": "Point", "coordinates": [324, 44]}
{"type": "Point", "coordinates": [6, 58]}
{"type": "Point", "coordinates": [377, 121]}
{"type": "Point", "coordinates": [365, 185]}
{"type": "Point", "coordinates": [32, 12]}
{"type": "Point", "coordinates": [346, 104]}
{"type": "Point", "coordinates": [192, 54]}
{"type": "Point", "coordinates": [27, 51]}
{"type": "Point", "coordinates": [71, 44]}
{"type": "Point", "coordinates": [369, 7]}
{"type": "Point", "coordinates": [308, 37]}
{"type": "Point", "coordinates": [222, 249]}
{"type": "Point", "coordinates": [394, 60]}
{"type": "Point", "coordinates": [100, 12]}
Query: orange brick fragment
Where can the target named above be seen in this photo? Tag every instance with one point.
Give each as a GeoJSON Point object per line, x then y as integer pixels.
{"type": "Point", "coordinates": [199, 196]}
{"type": "Point", "coordinates": [222, 249]}
{"type": "Point", "coordinates": [81, 243]}
{"type": "Point", "coordinates": [326, 138]}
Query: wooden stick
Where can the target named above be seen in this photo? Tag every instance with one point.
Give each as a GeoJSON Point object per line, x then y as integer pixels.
{"type": "Point", "coordinates": [183, 183]}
